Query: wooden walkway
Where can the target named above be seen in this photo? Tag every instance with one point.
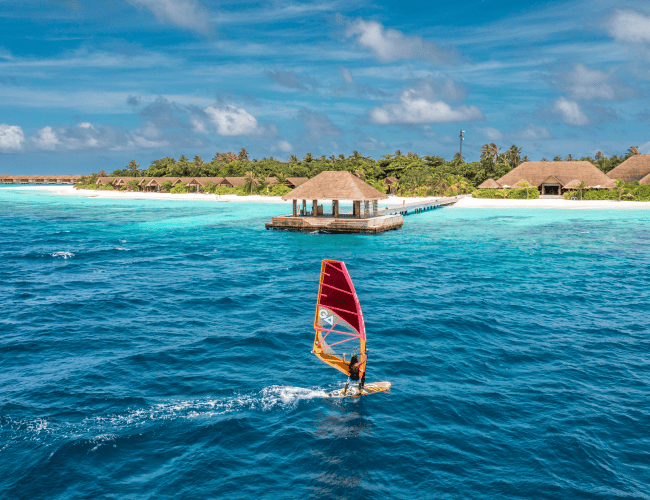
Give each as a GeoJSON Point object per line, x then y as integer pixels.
{"type": "Point", "coordinates": [419, 207]}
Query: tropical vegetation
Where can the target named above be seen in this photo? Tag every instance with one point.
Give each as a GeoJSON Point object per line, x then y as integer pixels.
{"type": "Point", "coordinates": [416, 175]}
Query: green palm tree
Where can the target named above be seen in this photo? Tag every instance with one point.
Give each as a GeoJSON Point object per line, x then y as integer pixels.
{"type": "Point", "coordinates": [494, 152]}
{"type": "Point", "coordinates": [486, 152]}
{"type": "Point", "coordinates": [282, 178]}
{"type": "Point", "coordinates": [513, 157]}
{"type": "Point", "coordinates": [581, 187]}
{"type": "Point", "coordinates": [250, 181]}
{"type": "Point", "coordinates": [133, 167]}
{"type": "Point", "coordinates": [262, 183]}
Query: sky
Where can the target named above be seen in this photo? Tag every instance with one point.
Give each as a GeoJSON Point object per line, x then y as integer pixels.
{"type": "Point", "coordinates": [88, 85]}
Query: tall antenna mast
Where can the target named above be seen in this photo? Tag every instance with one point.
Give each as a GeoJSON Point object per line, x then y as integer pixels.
{"type": "Point", "coordinates": [460, 134]}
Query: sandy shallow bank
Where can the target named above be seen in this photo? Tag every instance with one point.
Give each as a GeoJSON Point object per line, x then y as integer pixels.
{"type": "Point", "coordinates": [468, 202]}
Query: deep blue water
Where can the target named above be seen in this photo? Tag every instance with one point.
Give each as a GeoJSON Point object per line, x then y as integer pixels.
{"type": "Point", "coordinates": [161, 349]}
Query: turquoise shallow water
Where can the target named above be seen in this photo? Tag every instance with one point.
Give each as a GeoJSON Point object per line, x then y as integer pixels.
{"type": "Point", "coordinates": [160, 349]}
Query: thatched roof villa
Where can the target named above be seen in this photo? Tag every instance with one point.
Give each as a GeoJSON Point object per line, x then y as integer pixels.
{"type": "Point", "coordinates": [635, 168]}
{"type": "Point", "coordinates": [551, 177]}
{"type": "Point", "coordinates": [489, 184]}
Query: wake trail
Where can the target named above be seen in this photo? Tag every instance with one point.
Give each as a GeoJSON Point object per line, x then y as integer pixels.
{"type": "Point", "coordinates": [97, 427]}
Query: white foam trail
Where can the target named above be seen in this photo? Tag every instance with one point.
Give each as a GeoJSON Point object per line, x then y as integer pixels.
{"type": "Point", "coordinates": [65, 255]}
{"type": "Point", "coordinates": [285, 395]}
{"type": "Point", "coordinates": [125, 249]}
{"type": "Point", "coordinates": [106, 428]}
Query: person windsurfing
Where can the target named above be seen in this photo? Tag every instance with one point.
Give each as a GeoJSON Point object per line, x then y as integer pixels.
{"type": "Point", "coordinates": [354, 367]}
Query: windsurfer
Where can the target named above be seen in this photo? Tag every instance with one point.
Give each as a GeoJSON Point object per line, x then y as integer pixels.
{"type": "Point", "coordinates": [354, 369]}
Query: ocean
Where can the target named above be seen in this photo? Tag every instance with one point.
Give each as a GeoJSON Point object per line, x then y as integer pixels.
{"type": "Point", "coordinates": [161, 349]}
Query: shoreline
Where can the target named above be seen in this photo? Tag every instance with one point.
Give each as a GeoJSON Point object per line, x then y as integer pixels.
{"type": "Point", "coordinates": [463, 202]}
{"type": "Point", "coordinates": [130, 195]}
{"type": "Point", "coordinates": [550, 203]}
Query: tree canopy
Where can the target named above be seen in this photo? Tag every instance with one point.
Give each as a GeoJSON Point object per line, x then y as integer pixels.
{"type": "Point", "coordinates": [412, 170]}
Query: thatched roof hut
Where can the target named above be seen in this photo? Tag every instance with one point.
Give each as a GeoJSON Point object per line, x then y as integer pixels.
{"type": "Point", "coordinates": [555, 174]}
{"type": "Point", "coordinates": [389, 181]}
{"type": "Point", "coordinates": [635, 168]}
{"type": "Point", "coordinates": [572, 184]}
{"type": "Point", "coordinates": [202, 181]}
{"type": "Point", "coordinates": [333, 185]}
{"type": "Point", "coordinates": [489, 184]}
{"type": "Point", "coordinates": [294, 182]}
{"type": "Point", "coordinates": [233, 181]}
{"type": "Point", "coordinates": [178, 180]}
{"type": "Point", "coordinates": [645, 180]}
{"type": "Point", "coordinates": [156, 183]}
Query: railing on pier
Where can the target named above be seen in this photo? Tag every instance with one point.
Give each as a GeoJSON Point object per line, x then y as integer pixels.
{"type": "Point", "coordinates": [419, 206]}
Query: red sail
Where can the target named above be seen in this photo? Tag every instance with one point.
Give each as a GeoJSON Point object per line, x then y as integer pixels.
{"type": "Point", "coordinates": [340, 332]}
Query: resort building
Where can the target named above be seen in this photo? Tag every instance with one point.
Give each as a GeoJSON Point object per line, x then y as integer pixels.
{"type": "Point", "coordinates": [392, 184]}
{"type": "Point", "coordinates": [308, 215]}
{"type": "Point", "coordinates": [232, 181]}
{"type": "Point", "coordinates": [635, 168]}
{"type": "Point", "coordinates": [551, 177]}
{"type": "Point", "coordinates": [294, 182]}
{"type": "Point", "coordinates": [490, 184]}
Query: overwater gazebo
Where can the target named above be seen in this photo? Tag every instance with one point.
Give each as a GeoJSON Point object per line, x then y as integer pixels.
{"type": "Point", "coordinates": [336, 186]}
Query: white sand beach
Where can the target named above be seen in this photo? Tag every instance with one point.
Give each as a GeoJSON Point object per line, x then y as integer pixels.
{"type": "Point", "coordinates": [129, 195]}
{"type": "Point", "coordinates": [469, 202]}
{"type": "Point", "coordinates": [464, 201]}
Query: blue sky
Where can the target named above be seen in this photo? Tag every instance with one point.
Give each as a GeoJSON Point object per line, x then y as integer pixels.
{"type": "Point", "coordinates": [90, 85]}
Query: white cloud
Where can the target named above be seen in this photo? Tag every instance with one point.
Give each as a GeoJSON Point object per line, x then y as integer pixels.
{"type": "Point", "coordinates": [347, 75]}
{"type": "Point", "coordinates": [291, 80]}
{"type": "Point", "coordinates": [188, 14]}
{"type": "Point", "coordinates": [317, 126]}
{"type": "Point", "coordinates": [534, 132]}
{"type": "Point", "coordinates": [87, 136]}
{"type": "Point", "coordinates": [373, 144]}
{"type": "Point", "coordinates": [421, 106]}
{"type": "Point", "coordinates": [198, 125]}
{"type": "Point", "coordinates": [589, 84]}
{"type": "Point", "coordinates": [630, 26]}
{"type": "Point", "coordinates": [5, 54]}
{"type": "Point", "coordinates": [284, 146]}
{"type": "Point", "coordinates": [570, 112]}
{"type": "Point", "coordinates": [390, 45]}
{"type": "Point", "coordinates": [583, 83]}
{"type": "Point", "coordinates": [231, 121]}
{"type": "Point", "coordinates": [46, 139]}
{"type": "Point", "coordinates": [491, 134]}
{"type": "Point", "coordinates": [11, 137]}
{"type": "Point", "coordinates": [645, 148]}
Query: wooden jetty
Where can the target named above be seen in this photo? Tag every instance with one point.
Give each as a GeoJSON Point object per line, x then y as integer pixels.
{"type": "Point", "coordinates": [420, 206]}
